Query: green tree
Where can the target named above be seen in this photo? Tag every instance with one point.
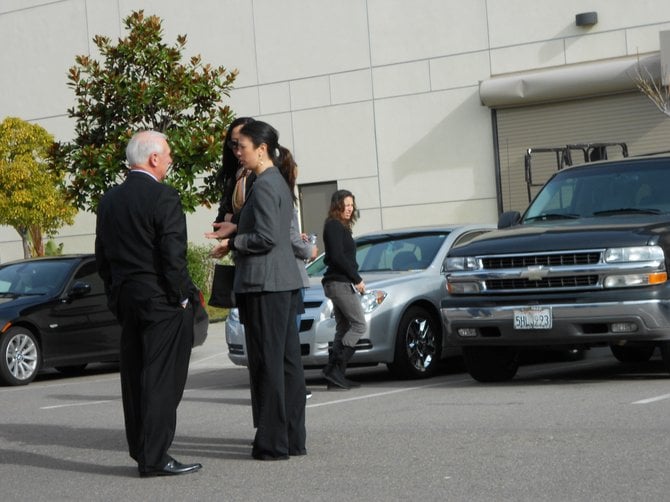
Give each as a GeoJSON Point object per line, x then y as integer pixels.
{"type": "Point", "coordinates": [32, 199]}
{"type": "Point", "coordinates": [142, 84]}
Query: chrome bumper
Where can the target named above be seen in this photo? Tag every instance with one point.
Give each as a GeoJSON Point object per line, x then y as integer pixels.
{"type": "Point", "coordinates": [572, 323]}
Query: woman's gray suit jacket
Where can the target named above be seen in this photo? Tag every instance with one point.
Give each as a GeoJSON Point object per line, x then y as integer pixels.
{"type": "Point", "coordinates": [264, 258]}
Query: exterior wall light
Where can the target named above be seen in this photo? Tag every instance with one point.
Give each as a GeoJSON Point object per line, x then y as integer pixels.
{"type": "Point", "coordinates": [586, 19]}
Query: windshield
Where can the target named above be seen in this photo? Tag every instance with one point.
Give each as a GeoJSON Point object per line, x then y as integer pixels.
{"type": "Point", "coordinates": [641, 187]}
{"type": "Point", "coordinates": [392, 252]}
{"type": "Point", "coordinates": [34, 277]}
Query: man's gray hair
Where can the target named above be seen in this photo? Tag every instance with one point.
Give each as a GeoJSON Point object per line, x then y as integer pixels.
{"type": "Point", "coordinates": [142, 145]}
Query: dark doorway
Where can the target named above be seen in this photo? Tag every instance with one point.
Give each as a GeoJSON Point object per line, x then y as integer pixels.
{"type": "Point", "coordinates": [314, 204]}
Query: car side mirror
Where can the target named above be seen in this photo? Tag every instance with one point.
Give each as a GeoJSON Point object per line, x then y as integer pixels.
{"type": "Point", "coordinates": [509, 219]}
{"type": "Point", "coordinates": [79, 289]}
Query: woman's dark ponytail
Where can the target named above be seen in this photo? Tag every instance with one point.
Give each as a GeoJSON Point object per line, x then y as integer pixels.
{"type": "Point", "coordinates": [288, 168]}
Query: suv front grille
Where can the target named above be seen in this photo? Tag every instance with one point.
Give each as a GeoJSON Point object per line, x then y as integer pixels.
{"type": "Point", "coordinates": [500, 262]}
{"type": "Point", "coordinates": [549, 282]}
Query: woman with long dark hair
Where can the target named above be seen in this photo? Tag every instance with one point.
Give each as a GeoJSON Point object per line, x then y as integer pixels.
{"type": "Point", "coordinates": [343, 285]}
{"type": "Point", "coordinates": [232, 180]}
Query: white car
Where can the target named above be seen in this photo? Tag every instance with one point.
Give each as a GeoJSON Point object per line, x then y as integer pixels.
{"type": "Point", "coordinates": [405, 280]}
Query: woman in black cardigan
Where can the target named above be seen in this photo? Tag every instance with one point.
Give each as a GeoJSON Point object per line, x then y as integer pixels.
{"type": "Point", "coordinates": [343, 285]}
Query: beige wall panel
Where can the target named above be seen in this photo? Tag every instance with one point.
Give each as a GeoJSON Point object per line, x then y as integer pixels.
{"type": "Point", "coordinates": [644, 39]}
{"type": "Point", "coordinates": [527, 57]}
{"type": "Point", "coordinates": [221, 31]}
{"type": "Point", "coordinates": [513, 22]}
{"type": "Point", "coordinates": [594, 47]}
{"type": "Point", "coordinates": [283, 122]}
{"type": "Point", "coordinates": [10, 245]}
{"type": "Point", "coordinates": [244, 102]}
{"type": "Point", "coordinates": [351, 86]}
{"type": "Point", "coordinates": [310, 93]}
{"type": "Point", "coordinates": [366, 191]}
{"type": "Point", "coordinates": [12, 5]}
{"type": "Point", "coordinates": [335, 142]}
{"type": "Point", "coordinates": [443, 213]}
{"type": "Point", "coordinates": [370, 220]}
{"type": "Point", "coordinates": [404, 31]}
{"type": "Point", "coordinates": [459, 71]}
{"type": "Point", "coordinates": [401, 79]}
{"type": "Point", "coordinates": [103, 19]}
{"type": "Point", "coordinates": [10, 251]}
{"type": "Point", "coordinates": [434, 147]}
{"type": "Point", "coordinates": [274, 98]}
{"type": "Point", "coordinates": [34, 72]}
{"type": "Point", "coordinates": [297, 38]}
{"type": "Point", "coordinates": [60, 126]}
{"type": "Point", "coordinates": [199, 222]}
{"type": "Point", "coordinates": [82, 232]}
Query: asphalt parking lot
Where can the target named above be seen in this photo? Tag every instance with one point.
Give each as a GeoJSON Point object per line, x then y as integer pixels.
{"type": "Point", "coordinates": [592, 430]}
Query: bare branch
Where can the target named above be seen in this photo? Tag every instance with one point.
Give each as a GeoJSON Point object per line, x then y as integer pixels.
{"type": "Point", "coordinates": [653, 88]}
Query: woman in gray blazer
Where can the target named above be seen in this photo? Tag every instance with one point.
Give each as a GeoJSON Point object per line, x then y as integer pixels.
{"type": "Point", "coordinates": [267, 285]}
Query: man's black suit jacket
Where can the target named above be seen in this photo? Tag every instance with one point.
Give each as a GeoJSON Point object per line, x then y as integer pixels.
{"type": "Point", "coordinates": [141, 237]}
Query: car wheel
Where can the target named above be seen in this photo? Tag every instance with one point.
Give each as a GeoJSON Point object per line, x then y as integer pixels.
{"type": "Point", "coordinates": [20, 356]}
{"type": "Point", "coordinates": [491, 364]}
{"type": "Point", "coordinates": [632, 353]}
{"type": "Point", "coordinates": [75, 369]}
{"type": "Point", "coordinates": [418, 345]}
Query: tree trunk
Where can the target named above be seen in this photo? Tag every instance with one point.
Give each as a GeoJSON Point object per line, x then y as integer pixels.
{"type": "Point", "coordinates": [36, 240]}
{"type": "Point", "coordinates": [25, 239]}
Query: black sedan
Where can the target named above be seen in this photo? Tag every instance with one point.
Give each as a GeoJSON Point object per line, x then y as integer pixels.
{"type": "Point", "coordinates": [53, 314]}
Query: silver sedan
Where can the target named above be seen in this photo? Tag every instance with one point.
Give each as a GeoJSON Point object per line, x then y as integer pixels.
{"type": "Point", "coordinates": [405, 280]}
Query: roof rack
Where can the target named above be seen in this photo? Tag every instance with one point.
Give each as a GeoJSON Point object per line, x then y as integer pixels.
{"type": "Point", "coordinates": [563, 154]}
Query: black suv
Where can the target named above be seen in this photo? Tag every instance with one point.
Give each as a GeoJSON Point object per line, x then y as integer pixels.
{"type": "Point", "coordinates": [585, 265]}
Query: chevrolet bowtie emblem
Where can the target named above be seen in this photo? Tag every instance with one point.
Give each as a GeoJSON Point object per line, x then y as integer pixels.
{"type": "Point", "coordinates": [534, 273]}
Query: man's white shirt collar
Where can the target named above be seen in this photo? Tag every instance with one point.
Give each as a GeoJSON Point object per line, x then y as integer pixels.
{"type": "Point", "coordinates": [143, 172]}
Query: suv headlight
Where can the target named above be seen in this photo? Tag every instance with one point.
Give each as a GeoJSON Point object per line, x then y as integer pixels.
{"type": "Point", "coordinates": [460, 263]}
{"type": "Point", "coordinates": [370, 300]}
{"type": "Point", "coordinates": [632, 280]}
{"type": "Point", "coordinates": [464, 288]}
{"type": "Point", "coordinates": [634, 254]}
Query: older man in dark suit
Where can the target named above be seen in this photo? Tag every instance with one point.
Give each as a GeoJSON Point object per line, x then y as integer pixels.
{"type": "Point", "coordinates": [140, 249]}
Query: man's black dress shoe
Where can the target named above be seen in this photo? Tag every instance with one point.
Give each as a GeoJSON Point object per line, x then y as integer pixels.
{"type": "Point", "coordinates": [172, 468]}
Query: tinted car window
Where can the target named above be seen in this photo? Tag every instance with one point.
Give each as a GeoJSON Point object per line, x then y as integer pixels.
{"type": "Point", "coordinates": [602, 190]}
{"type": "Point", "coordinates": [393, 252]}
{"type": "Point", "coordinates": [89, 274]}
{"type": "Point", "coordinates": [35, 277]}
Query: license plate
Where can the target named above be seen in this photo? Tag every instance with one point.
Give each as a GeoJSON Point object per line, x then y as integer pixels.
{"type": "Point", "coordinates": [533, 318]}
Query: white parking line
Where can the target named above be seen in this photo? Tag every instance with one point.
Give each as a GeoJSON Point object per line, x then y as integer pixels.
{"type": "Point", "coordinates": [69, 405]}
{"type": "Point", "coordinates": [652, 399]}
{"type": "Point", "coordinates": [221, 357]}
{"type": "Point", "coordinates": [378, 394]}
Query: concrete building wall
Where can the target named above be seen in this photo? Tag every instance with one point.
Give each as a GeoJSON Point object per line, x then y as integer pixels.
{"type": "Point", "coordinates": [378, 95]}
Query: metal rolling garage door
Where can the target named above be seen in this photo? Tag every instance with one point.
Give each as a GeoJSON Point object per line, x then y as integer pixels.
{"type": "Point", "coordinates": [628, 117]}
